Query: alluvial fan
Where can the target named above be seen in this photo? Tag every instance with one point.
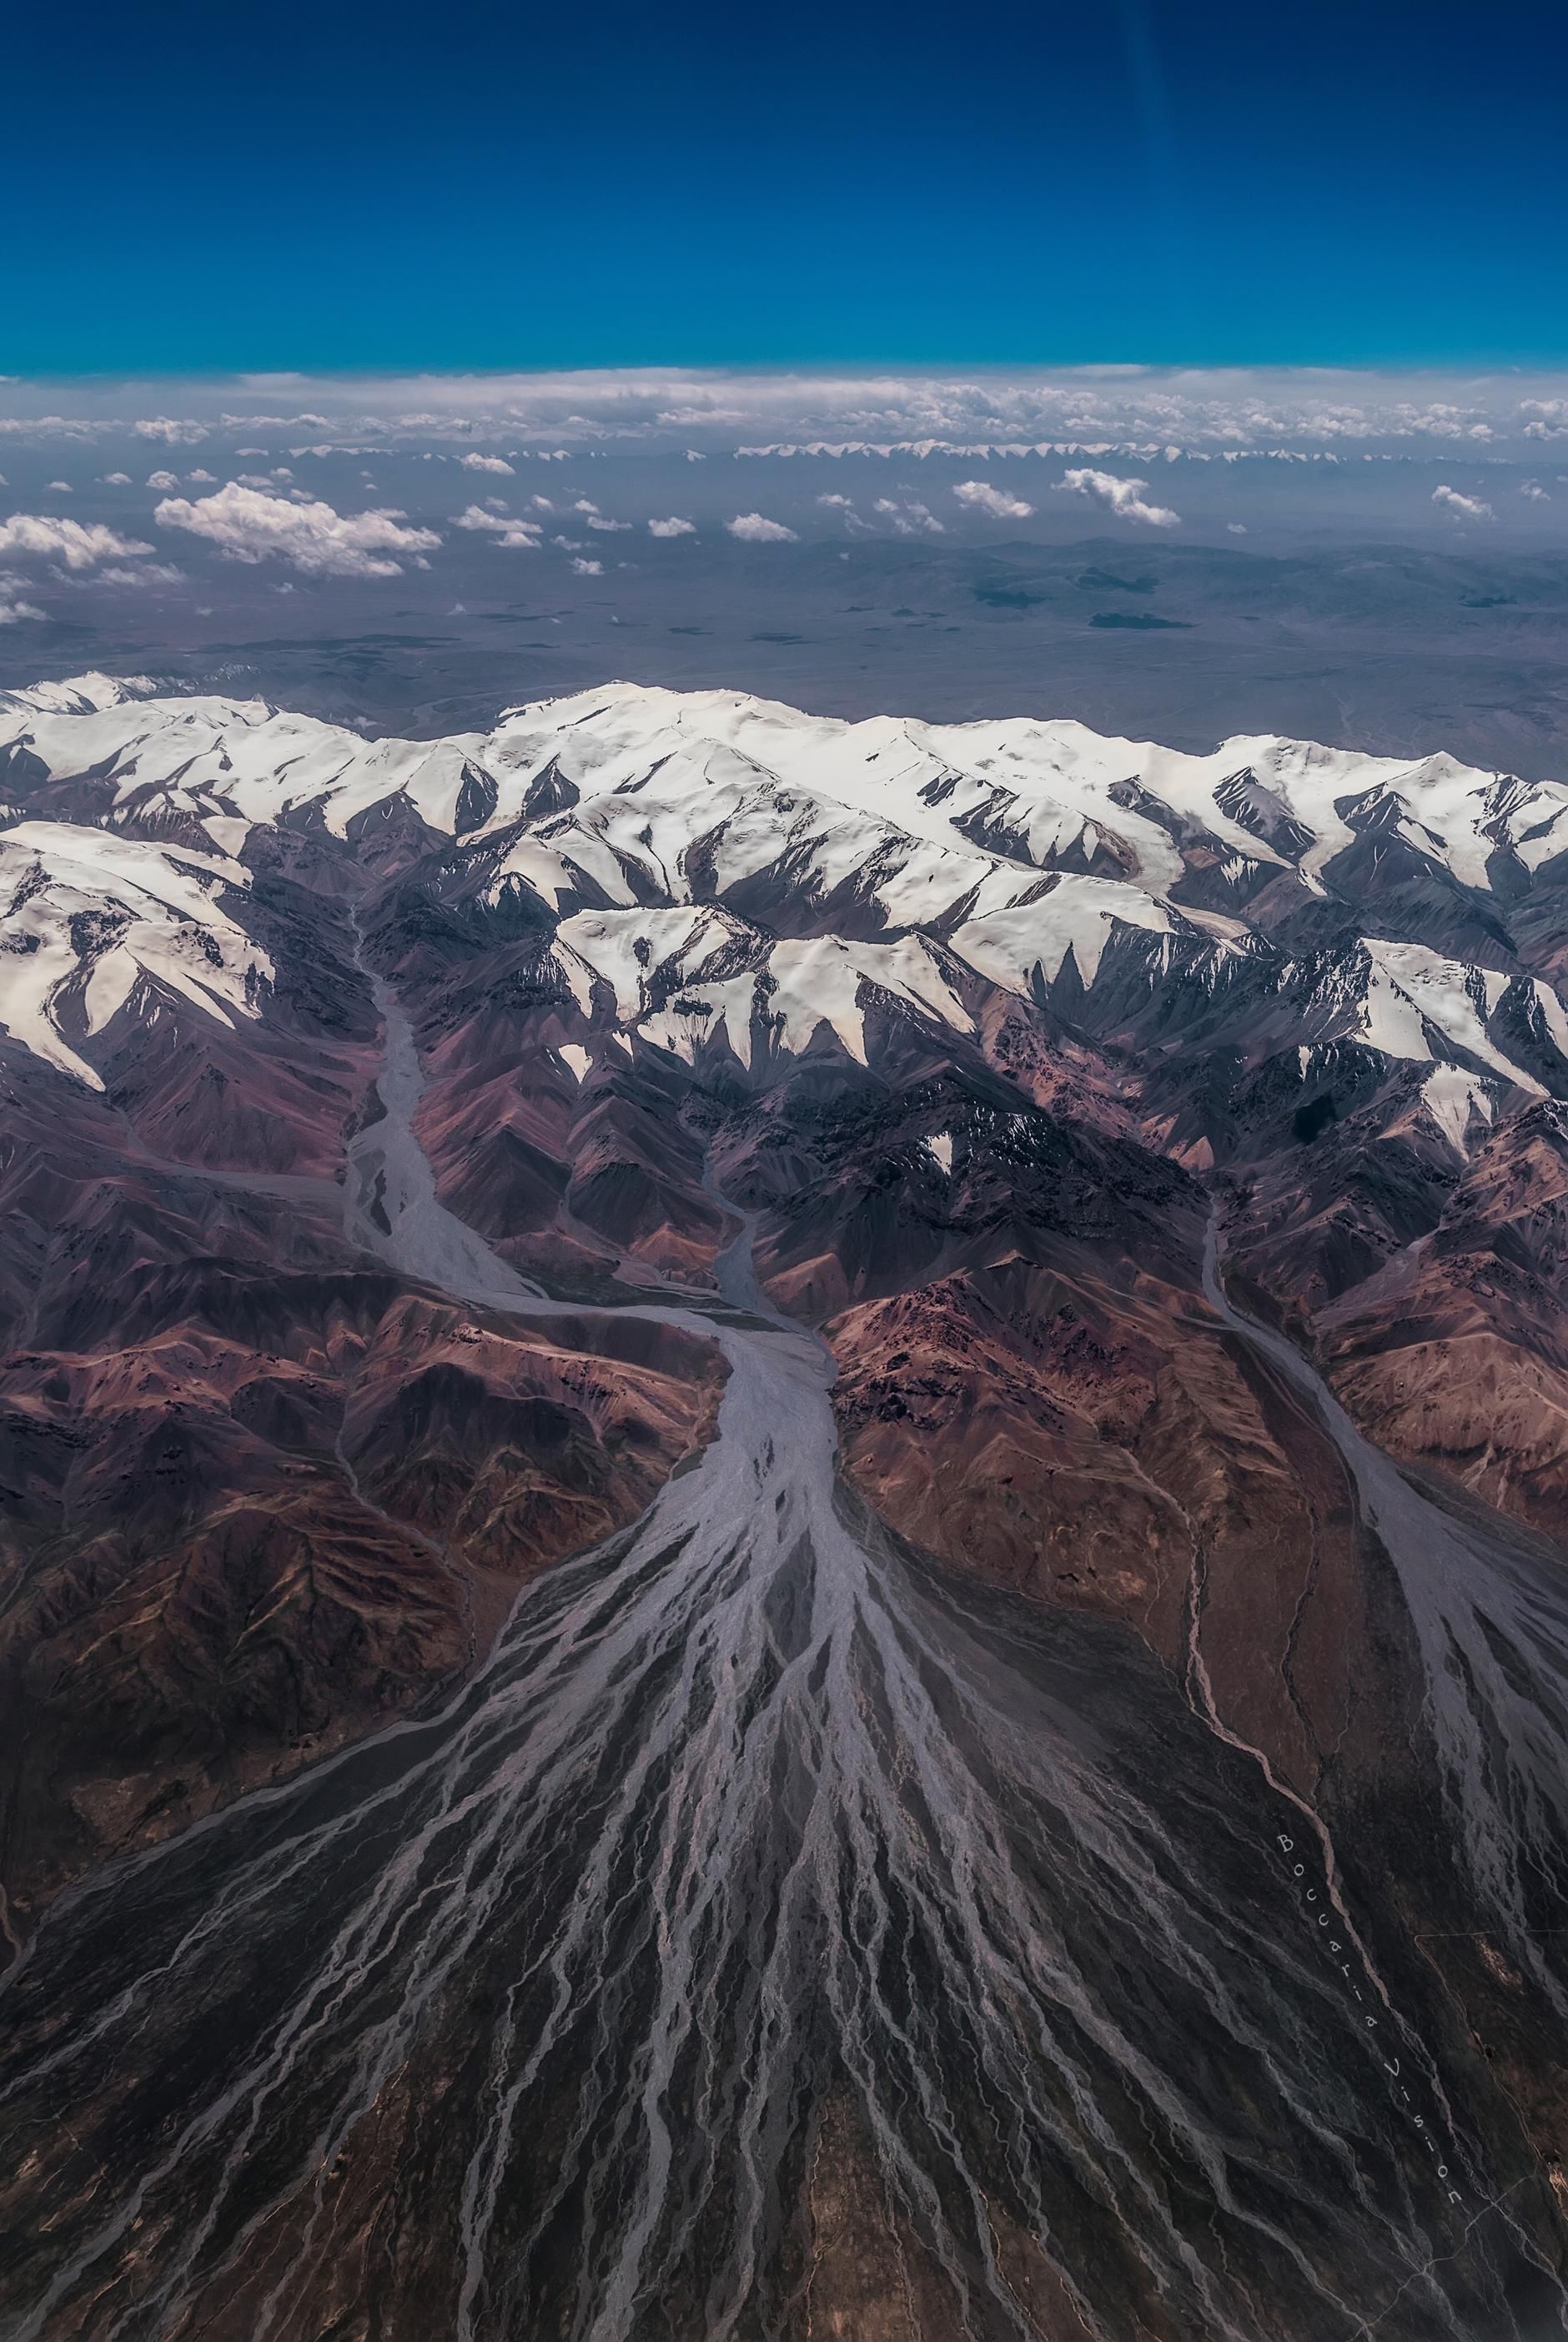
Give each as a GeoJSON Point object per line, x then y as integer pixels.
{"type": "Point", "coordinates": [768, 1914]}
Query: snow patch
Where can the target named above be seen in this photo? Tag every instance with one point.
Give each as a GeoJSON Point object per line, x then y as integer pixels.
{"type": "Point", "coordinates": [86, 914]}
{"type": "Point", "coordinates": [1077, 916]}
{"type": "Point", "coordinates": [1451, 1096]}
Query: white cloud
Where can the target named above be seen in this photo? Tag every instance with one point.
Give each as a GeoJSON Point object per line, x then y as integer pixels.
{"type": "Point", "coordinates": [310, 536]}
{"type": "Point", "coordinates": [521, 535]}
{"type": "Point", "coordinates": [755, 528]}
{"type": "Point", "coordinates": [146, 574]}
{"type": "Point", "coordinates": [981, 496]}
{"type": "Point", "coordinates": [1124, 497]}
{"type": "Point", "coordinates": [1458, 508]}
{"type": "Point", "coordinates": [12, 608]}
{"type": "Point", "coordinates": [1083, 415]}
{"type": "Point", "coordinates": [543, 503]}
{"type": "Point", "coordinates": [589, 568]}
{"type": "Point", "coordinates": [909, 519]}
{"type": "Point", "coordinates": [1535, 493]}
{"type": "Point", "coordinates": [488, 463]}
{"type": "Point", "coordinates": [596, 518]}
{"type": "Point", "coordinates": [116, 479]}
{"type": "Point", "coordinates": [171, 434]}
{"type": "Point", "coordinates": [79, 544]}
{"type": "Point", "coordinates": [203, 479]}
{"type": "Point", "coordinates": [674, 526]}
{"type": "Point", "coordinates": [165, 482]}
{"type": "Point", "coordinates": [1236, 527]}
{"type": "Point", "coordinates": [61, 489]}
{"type": "Point", "coordinates": [837, 504]}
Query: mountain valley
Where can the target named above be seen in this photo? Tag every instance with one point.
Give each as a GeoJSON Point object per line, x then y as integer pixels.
{"type": "Point", "coordinates": [872, 1407]}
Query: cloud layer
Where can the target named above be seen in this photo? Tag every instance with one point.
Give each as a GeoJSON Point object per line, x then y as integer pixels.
{"type": "Point", "coordinates": [488, 421]}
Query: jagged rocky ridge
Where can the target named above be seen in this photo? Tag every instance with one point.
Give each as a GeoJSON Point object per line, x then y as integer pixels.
{"type": "Point", "coordinates": [980, 1023]}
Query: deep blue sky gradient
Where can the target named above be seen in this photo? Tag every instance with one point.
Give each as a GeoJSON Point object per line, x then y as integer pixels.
{"type": "Point", "coordinates": [481, 186]}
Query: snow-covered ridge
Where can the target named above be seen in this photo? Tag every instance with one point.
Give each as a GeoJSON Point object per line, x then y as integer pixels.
{"type": "Point", "coordinates": [85, 916]}
{"type": "Point", "coordinates": [1014, 789]}
{"type": "Point", "coordinates": [722, 867]}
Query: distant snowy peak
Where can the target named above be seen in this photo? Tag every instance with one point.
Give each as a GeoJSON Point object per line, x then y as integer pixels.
{"type": "Point", "coordinates": [708, 868]}
{"type": "Point", "coordinates": [86, 918]}
{"type": "Point", "coordinates": [1034, 794]}
{"type": "Point", "coordinates": [80, 694]}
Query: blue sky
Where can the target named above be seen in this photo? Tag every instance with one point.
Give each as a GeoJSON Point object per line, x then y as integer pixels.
{"type": "Point", "coordinates": [494, 187]}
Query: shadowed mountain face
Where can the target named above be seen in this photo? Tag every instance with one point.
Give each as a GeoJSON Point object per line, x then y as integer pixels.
{"type": "Point", "coordinates": [708, 1629]}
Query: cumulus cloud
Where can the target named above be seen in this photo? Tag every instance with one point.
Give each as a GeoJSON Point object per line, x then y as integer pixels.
{"type": "Point", "coordinates": [14, 608]}
{"type": "Point", "coordinates": [1236, 527]}
{"type": "Point", "coordinates": [61, 489]}
{"type": "Point", "coordinates": [1126, 498]}
{"type": "Point", "coordinates": [521, 535]}
{"type": "Point", "coordinates": [909, 519]}
{"type": "Point", "coordinates": [588, 568]}
{"type": "Point", "coordinates": [172, 434]}
{"type": "Point", "coordinates": [674, 526]}
{"type": "Point", "coordinates": [116, 479]}
{"type": "Point", "coordinates": [837, 504]}
{"type": "Point", "coordinates": [596, 518]}
{"type": "Point", "coordinates": [251, 526]}
{"type": "Point", "coordinates": [1460, 507]}
{"type": "Point", "coordinates": [203, 479]}
{"type": "Point", "coordinates": [487, 464]}
{"type": "Point", "coordinates": [755, 528]}
{"type": "Point", "coordinates": [981, 496]}
{"type": "Point", "coordinates": [165, 482]}
{"type": "Point", "coordinates": [80, 545]}
{"type": "Point", "coordinates": [1535, 493]}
